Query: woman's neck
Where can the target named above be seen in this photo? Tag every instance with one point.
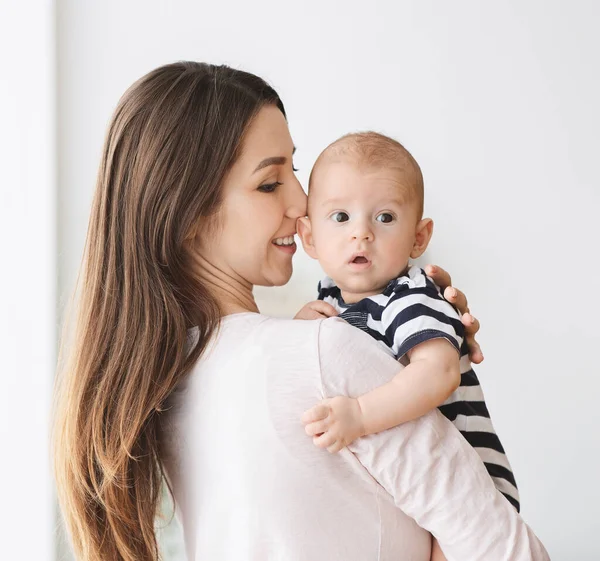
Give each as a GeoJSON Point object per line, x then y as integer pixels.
{"type": "Point", "coordinates": [232, 293]}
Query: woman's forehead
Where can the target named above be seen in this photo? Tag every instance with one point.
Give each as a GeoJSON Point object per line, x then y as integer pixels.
{"type": "Point", "coordinates": [267, 137]}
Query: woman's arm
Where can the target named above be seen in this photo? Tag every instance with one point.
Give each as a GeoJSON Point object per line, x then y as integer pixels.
{"type": "Point", "coordinates": [427, 467]}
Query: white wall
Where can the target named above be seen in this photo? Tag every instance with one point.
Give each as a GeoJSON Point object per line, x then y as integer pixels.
{"type": "Point", "coordinates": [27, 278]}
{"type": "Point", "coordinates": [497, 101]}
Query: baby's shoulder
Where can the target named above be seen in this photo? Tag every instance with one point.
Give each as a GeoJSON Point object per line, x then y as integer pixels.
{"type": "Point", "coordinates": [327, 289]}
{"type": "Point", "coordinates": [415, 295]}
{"type": "Point", "coordinates": [415, 281]}
{"type": "Point", "coordinates": [415, 278]}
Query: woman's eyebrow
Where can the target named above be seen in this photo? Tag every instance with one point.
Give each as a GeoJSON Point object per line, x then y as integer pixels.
{"type": "Point", "coordinates": [273, 161]}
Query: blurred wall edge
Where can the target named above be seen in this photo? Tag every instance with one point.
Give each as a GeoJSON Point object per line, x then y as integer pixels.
{"type": "Point", "coordinates": [27, 277]}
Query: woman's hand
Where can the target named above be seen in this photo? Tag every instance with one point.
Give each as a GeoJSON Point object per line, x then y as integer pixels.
{"type": "Point", "coordinates": [316, 310]}
{"type": "Point", "coordinates": [458, 299]}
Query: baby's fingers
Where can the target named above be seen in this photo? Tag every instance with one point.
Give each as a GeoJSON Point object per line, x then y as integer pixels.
{"type": "Point", "coordinates": [324, 308]}
{"type": "Point", "coordinates": [316, 413]}
{"type": "Point", "coordinates": [313, 429]}
{"type": "Point", "coordinates": [326, 440]}
{"type": "Point", "coordinates": [335, 447]}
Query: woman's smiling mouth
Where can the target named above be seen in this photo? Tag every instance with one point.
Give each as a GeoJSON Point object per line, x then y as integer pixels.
{"type": "Point", "coordinates": [286, 244]}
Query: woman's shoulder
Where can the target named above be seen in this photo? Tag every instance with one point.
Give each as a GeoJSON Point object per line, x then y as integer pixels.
{"type": "Point", "coordinates": [272, 335]}
{"type": "Point", "coordinates": [330, 335]}
{"type": "Point", "coordinates": [337, 336]}
{"type": "Point", "coordinates": [352, 362]}
{"type": "Point", "coordinates": [256, 323]}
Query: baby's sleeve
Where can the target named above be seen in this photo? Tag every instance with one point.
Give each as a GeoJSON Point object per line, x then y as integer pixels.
{"type": "Point", "coordinates": [426, 466]}
{"type": "Point", "coordinates": [415, 315]}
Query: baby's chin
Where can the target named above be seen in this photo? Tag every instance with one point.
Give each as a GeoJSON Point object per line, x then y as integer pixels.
{"type": "Point", "coordinates": [360, 288]}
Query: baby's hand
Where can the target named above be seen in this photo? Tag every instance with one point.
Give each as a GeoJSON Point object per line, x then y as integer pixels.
{"type": "Point", "coordinates": [334, 423]}
{"type": "Point", "coordinates": [316, 310]}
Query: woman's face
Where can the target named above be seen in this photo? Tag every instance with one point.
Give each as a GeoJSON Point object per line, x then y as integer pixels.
{"type": "Point", "coordinates": [262, 199]}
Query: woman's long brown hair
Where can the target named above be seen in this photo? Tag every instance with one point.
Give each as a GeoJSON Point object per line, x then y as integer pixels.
{"type": "Point", "coordinates": [174, 135]}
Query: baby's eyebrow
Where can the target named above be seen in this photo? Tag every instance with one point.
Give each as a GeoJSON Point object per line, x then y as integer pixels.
{"type": "Point", "coordinates": [273, 161]}
{"type": "Point", "coordinates": [329, 202]}
{"type": "Point", "coordinates": [338, 201]}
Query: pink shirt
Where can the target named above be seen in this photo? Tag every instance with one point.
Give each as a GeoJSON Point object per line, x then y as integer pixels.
{"type": "Point", "coordinates": [250, 485]}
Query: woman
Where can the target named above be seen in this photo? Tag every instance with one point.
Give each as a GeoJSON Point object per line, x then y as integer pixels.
{"type": "Point", "coordinates": [173, 371]}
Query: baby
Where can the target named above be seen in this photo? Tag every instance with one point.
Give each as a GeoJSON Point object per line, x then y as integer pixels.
{"type": "Point", "coordinates": [364, 223]}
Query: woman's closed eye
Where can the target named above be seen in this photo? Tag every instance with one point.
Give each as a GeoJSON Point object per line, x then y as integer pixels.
{"type": "Point", "coordinates": [340, 216]}
{"type": "Point", "coordinates": [269, 187]}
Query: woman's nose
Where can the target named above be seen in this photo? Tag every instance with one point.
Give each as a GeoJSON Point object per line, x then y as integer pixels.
{"type": "Point", "coordinates": [296, 201]}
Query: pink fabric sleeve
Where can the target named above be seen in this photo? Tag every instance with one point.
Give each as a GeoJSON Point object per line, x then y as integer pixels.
{"type": "Point", "coordinates": [426, 466]}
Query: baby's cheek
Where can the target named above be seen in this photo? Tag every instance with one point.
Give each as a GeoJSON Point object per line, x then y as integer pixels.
{"type": "Point", "coordinates": [332, 261]}
{"type": "Point", "coordinates": [398, 250]}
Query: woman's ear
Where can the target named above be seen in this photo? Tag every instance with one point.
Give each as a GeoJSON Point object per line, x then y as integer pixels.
{"type": "Point", "coordinates": [305, 233]}
{"type": "Point", "coordinates": [423, 235]}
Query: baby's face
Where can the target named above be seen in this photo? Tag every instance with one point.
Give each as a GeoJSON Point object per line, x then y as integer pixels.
{"type": "Point", "coordinates": [363, 226]}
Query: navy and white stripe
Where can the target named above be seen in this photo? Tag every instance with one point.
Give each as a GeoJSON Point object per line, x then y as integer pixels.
{"type": "Point", "coordinates": [408, 312]}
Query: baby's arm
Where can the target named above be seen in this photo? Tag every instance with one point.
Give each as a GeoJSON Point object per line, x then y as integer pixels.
{"type": "Point", "coordinates": [432, 375]}
{"type": "Point", "coordinates": [431, 472]}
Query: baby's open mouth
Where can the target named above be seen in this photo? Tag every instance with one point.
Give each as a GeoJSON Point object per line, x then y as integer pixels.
{"type": "Point", "coordinates": [361, 260]}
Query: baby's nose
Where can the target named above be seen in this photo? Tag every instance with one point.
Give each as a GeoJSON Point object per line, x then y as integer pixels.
{"type": "Point", "coordinates": [363, 233]}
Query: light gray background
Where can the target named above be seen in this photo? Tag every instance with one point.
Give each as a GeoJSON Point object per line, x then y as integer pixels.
{"type": "Point", "coordinates": [499, 104]}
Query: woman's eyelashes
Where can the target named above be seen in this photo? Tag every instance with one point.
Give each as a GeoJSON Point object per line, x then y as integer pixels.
{"type": "Point", "coordinates": [269, 187]}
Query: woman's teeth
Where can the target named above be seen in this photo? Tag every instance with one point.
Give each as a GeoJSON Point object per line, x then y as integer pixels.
{"type": "Point", "coordinates": [289, 240]}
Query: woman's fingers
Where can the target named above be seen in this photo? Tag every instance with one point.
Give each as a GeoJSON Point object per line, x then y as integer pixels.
{"type": "Point", "coordinates": [443, 280]}
{"type": "Point", "coordinates": [439, 276]}
{"type": "Point", "coordinates": [316, 413]}
{"type": "Point", "coordinates": [475, 353]}
{"type": "Point", "coordinates": [457, 298]}
{"type": "Point", "coordinates": [471, 324]}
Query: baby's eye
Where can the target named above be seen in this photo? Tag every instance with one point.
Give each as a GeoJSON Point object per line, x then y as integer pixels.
{"type": "Point", "coordinates": [385, 217]}
{"type": "Point", "coordinates": [340, 217]}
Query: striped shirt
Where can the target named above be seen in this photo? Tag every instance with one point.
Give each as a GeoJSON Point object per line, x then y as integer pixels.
{"type": "Point", "coordinates": [408, 312]}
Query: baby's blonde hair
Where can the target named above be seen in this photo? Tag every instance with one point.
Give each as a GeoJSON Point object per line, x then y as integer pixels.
{"type": "Point", "coordinates": [375, 150]}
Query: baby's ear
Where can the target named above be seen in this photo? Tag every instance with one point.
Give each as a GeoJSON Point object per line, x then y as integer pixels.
{"type": "Point", "coordinates": [305, 234]}
{"type": "Point", "coordinates": [423, 235]}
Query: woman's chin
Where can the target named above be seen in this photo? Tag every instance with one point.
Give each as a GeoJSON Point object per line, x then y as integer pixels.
{"type": "Point", "coordinates": [280, 277]}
